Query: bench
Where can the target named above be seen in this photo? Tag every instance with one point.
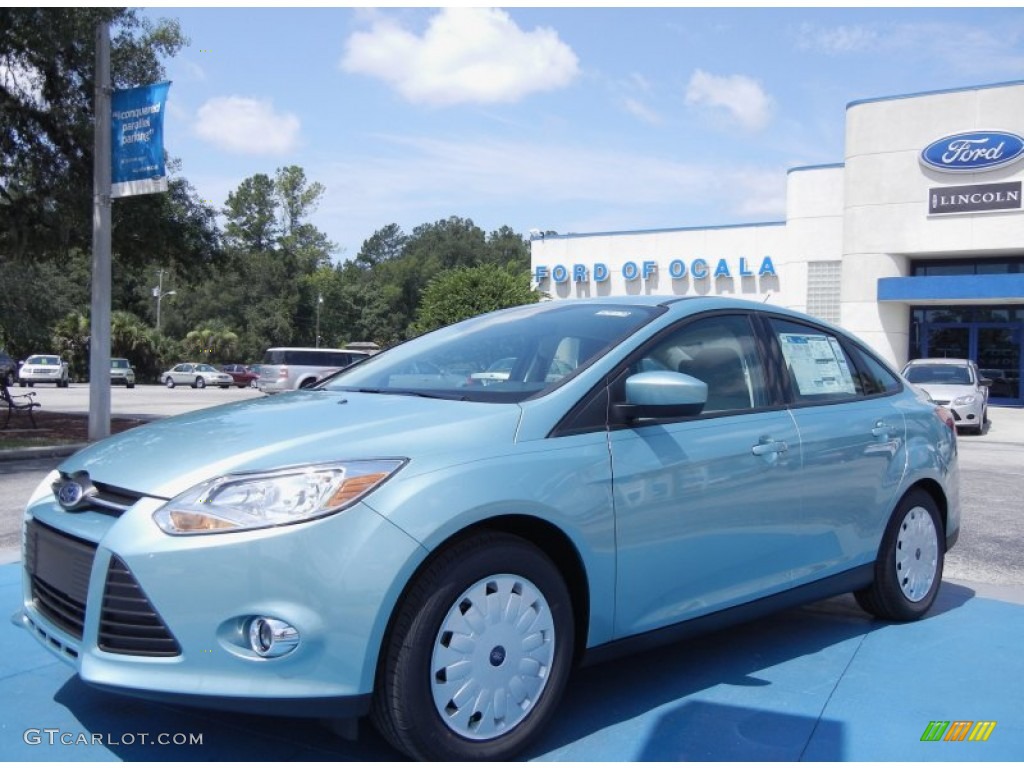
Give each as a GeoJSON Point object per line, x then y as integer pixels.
{"type": "Point", "coordinates": [17, 404]}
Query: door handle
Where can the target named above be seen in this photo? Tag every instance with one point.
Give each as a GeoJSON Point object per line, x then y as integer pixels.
{"type": "Point", "coordinates": [882, 429]}
{"type": "Point", "coordinates": [769, 446]}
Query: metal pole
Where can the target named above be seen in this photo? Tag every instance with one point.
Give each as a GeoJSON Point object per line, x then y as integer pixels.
{"type": "Point", "coordinates": [159, 296]}
{"type": "Point", "coordinates": [319, 301]}
{"type": "Point", "coordinates": [99, 346]}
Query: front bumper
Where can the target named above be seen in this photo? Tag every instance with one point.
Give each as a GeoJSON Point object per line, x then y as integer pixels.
{"type": "Point", "coordinates": [334, 579]}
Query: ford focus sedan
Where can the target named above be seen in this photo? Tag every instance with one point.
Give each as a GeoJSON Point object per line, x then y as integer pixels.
{"type": "Point", "coordinates": [956, 384]}
{"type": "Point", "coordinates": [438, 556]}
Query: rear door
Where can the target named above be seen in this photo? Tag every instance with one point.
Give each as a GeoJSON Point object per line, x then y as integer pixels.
{"type": "Point", "coordinates": [852, 437]}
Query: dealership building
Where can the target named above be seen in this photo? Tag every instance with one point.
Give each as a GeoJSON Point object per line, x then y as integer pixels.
{"type": "Point", "coordinates": [915, 242]}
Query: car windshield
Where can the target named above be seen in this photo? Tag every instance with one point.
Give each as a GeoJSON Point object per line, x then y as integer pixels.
{"type": "Point", "coordinates": [206, 368]}
{"type": "Point", "coordinates": [118, 363]}
{"type": "Point", "coordinates": [938, 374]}
{"type": "Point", "coordinates": [504, 356]}
{"type": "Point", "coordinates": [42, 360]}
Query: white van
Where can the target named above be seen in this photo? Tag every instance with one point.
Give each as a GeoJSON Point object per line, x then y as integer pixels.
{"type": "Point", "coordinates": [287, 368]}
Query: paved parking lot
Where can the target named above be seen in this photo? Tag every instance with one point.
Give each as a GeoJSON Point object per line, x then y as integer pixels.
{"type": "Point", "coordinates": [824, 682]}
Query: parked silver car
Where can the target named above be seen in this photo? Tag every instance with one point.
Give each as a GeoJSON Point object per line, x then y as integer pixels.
{"type": "Point", "coordinates": [196, 375]}
{"type": "Point", "coordinates": [956, 384]}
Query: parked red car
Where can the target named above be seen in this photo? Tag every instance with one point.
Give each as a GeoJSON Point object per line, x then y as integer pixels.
{"type": "Point", "coordinates": [243, 375]}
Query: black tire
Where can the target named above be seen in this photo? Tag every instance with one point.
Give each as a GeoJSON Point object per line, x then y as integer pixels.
{"type": "Point", "coordinates": [22, 383]}
{"type": "Point", "coordinates": [169, 382]}
{"type": "Point", "coordinates": [130, 386]}
{"type": "Point", "coordinates": [409, 676]}
{"type": "Point", "coordinates": [200, 383]}
{"type": "Point", "coordinates": [908, 570]}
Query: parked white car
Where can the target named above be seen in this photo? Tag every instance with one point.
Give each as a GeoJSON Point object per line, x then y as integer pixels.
{"type": "Point", "coordinates": [43, 369]}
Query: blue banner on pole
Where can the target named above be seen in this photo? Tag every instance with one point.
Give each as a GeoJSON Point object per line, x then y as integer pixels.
{"type": "Point", "coordinates": [137, 144]}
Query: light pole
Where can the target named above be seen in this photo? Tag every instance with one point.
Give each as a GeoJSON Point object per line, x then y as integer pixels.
{"type": "Point", "coordinates": [158, 294]}
{"type": "Point", "coordinates": [319, 301]}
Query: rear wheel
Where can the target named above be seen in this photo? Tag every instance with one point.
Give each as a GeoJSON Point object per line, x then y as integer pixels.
{"type": "Point", "coordinates": [908, 571]}
{"type": "Point", "coordinates": [478, 655]}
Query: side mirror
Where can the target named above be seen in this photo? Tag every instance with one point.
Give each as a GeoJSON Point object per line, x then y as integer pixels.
{"type": "Point", "coordinates": [985, 382]}
{"type": "Point", "coordinates": [660, 395]}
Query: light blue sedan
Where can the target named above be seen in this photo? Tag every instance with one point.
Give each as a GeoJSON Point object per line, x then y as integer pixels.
{"type": "Point", "coordinates": [439, 555]}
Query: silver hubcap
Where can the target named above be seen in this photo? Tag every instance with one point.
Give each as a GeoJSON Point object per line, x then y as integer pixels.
{"type": "Point", "coordinates": [917, 554]}
{"type": "Point", "coordinates": [492, 657]}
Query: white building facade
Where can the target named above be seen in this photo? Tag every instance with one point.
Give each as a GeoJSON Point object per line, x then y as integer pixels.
{"type": "Point", "coordinates": [915, 242]}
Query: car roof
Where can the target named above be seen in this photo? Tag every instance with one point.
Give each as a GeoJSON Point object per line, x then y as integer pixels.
{"type": "Point", "coordinates": [940, 361]}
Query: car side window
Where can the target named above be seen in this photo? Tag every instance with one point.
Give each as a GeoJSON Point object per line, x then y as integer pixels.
{"type": "Point", "coordinates": [819, 368]}
{"type": "Point", "coordinates": [721, 351]}
{"type": "Point", "coordinates": [874, 377]}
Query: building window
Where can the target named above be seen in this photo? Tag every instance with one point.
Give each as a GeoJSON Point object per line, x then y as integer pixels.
{"type": "Point", "coordinates": [823, 280]}
{"type": "Point", "coordinates": [973, 267]}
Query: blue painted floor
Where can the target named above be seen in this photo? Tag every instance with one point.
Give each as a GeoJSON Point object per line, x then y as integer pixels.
{"type": "Point", "coordinates": [819, 683]}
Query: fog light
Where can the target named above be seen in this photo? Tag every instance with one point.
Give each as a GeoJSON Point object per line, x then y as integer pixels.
{"type": "Point", "coordinates": [271, 637]}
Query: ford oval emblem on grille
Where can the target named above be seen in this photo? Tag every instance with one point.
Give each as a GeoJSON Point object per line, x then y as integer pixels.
{"type": "Point", "coordinates": [73, 492]}
{"type": "Point", "coordinates": [973, 152]}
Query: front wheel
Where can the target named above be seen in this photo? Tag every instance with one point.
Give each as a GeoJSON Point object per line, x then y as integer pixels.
{"type": "Point", "coordinates": [200, 383]}
{"type": "Point", "coordinates": [908, 570]}
{"type": "Point", "coordinates": [169, 382]}
{"type": "Point", "coordinates": [478, 655]}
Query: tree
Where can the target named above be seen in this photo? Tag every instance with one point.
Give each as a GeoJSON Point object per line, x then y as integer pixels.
{"type": "Point", "coordinates": [71, 341]}
{"type": "Point", "coordinates": [462, 293]}
{"type": "Point", "coordinates": [211, 343]}
{"type": "Point", "coordinates": [47, 58]}
{"type": "Point", "coordinates": [251, 213]}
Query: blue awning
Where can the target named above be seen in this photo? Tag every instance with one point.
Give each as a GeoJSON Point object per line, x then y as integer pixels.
{"type": "Point", "coordinates": [953, 289]}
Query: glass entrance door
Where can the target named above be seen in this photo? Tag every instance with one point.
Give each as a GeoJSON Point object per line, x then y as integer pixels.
{"type": "Point", "coordinates": [995, 347]}
{"type": "Point", "coordinates": [998, 358]}
{"type": "Point", "coordinates": [948, 341]}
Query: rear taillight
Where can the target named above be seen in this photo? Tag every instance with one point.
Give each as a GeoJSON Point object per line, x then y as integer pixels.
{"type": "Point", "coordinates": [946, 417]}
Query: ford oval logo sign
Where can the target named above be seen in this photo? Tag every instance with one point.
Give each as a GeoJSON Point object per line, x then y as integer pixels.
{"type": "Point", "coordinates": [973, 152]}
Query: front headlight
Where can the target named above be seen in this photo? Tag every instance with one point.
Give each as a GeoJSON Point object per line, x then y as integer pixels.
{"type": "Point", "coordinates": [261, 500]}
{"type": "Point", "coordinates": [965, 400]}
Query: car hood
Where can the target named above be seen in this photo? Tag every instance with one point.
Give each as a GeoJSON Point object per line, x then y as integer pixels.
{"type": "Point", "coordinates": [947, 391]}
{"type": "Point", "coordinates": [167, 457]}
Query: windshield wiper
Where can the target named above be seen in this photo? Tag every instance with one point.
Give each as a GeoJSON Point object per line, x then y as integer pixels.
{"type": "Point", "coordinates": [411, 392]}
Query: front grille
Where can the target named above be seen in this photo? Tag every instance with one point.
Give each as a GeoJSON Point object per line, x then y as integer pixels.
{"type": "Point", "coordinates": [58, 566]}
{"type": "Point", "coordinates": [113, 498]}
{"type": "Point", "coordinates": [128, 622]}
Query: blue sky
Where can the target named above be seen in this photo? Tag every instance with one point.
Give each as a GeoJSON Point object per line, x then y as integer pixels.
{"type": "Point", "coordinates": [567, 119]}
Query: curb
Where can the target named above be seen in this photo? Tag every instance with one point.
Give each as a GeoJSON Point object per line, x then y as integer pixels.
{"type": "Point", "coordinates": [43, 452]}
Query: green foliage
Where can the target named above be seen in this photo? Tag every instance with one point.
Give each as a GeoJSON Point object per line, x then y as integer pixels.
{"type": "Point", "coordinates": [468, 291]}
{"type": "Point", "coordinates": [46, 121]}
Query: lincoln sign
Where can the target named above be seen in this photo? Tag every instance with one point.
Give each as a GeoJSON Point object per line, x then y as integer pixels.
{"type": "Point", "coordinates": [974, 198]}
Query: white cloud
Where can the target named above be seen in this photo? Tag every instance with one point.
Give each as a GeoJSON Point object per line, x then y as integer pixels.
{"type": "Point", "coordinates": [979, 51]}
{"type": "Point", "coordinates": [406, 176]}
{"type": "Point", "coordinates": [247, 126]}
{"type": "Point", "coordinates": [638, 109]}
{"type": "Point", "coordinates": [466, 55]}
{"type": "Point", "coordinates": [742, 97]}
{"type": "Point", "coordinates": [841, 39]}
